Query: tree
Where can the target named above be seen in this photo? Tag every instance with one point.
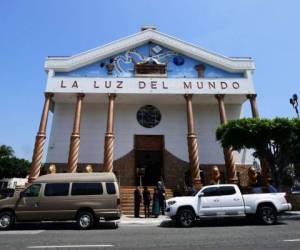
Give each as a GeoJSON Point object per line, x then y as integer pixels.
{"type": "Point", "coordinates": [11, 166]}
{"type": "Point", "coordinates": [6, 151]}
{"type": "Point", "coordinates": [276, 140]}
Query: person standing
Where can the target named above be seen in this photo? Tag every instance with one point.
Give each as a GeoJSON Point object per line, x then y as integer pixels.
{"type": "Point", "coordinates": [162, 197]}
{"type": "Point", "coordinates": [155, 204]}
{"type": "Point", "coordinates": [137, 202]}
{"type": "Point", "coordinates": [147, 200]}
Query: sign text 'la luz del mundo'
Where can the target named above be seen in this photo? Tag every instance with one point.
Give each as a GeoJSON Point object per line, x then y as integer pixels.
{"type": "Point", "coordinates": [148, 85]}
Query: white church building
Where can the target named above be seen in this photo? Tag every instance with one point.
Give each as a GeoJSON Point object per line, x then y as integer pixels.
{"type": "Point", "coordinates": [145, 107]}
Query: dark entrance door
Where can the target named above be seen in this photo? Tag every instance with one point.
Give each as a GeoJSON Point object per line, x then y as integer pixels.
{"type": "Point", "coordinates": [149, 156]}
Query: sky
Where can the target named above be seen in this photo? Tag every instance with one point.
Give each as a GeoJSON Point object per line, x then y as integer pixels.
{"type": "Point", "coordinates": [266, 30]}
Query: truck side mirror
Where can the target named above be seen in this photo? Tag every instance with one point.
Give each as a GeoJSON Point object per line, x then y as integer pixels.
{"type": "Point", "coordinates": [200, 194]}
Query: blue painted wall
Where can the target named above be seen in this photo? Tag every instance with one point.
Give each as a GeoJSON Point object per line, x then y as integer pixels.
{"type": "Point", "coordinates": [179, 65]}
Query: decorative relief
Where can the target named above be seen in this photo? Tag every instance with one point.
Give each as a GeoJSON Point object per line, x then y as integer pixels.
{"type": "Point", "coordinates": [74, 62]}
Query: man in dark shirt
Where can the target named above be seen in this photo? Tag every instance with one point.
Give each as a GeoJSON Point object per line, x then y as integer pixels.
{"type": "Point", "coordinates": [162, 196]}
{"type": "Point", "coordinates": [147, 199]}
{"type": "Point", "coordinates": [137, 202]}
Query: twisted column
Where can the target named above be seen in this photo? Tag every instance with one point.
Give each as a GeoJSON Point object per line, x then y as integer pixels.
{"type": "Point", "coordinates": [252, 99]}
{"type": "Point", "coordinates": [75, 136]}
{"type": "Point", "coordinates": [263, 161]}
{"type": "Point", "coordinates": [192, 144]}
{"type": "Point", "coordinates": [109, 136]}
{"type": "Point", "coordinates": [40, 141]}
{"type": "Point", "coordinates": [228, 154]}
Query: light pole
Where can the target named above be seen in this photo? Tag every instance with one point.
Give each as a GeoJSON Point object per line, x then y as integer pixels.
{"type": "Point", "coordinates": [294, 103]}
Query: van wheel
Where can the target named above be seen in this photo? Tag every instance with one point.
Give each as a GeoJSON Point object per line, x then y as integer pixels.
{"type": "Point", "coordinates": [267, 215]}
{"type": "Point", "coordinates": [85, 220]}
{"type": "Point", "coordinates": [7, 220]}
{"type": "Point", "coordinates": [185, 217]}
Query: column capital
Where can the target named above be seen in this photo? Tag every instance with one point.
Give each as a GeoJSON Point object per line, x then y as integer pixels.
{"type": "Point", "coordinates": [188, 96]}
{"type": "Point", "coordinates": [219, 97]}
{"type": "Point", "coordinates": [48, 94]}
{"type": "Point", "coordinates": [80, 95]}
{"type": "Point", "coordinates": [112, 96]}
{"type": "Point", "coordinates": [251, 96]}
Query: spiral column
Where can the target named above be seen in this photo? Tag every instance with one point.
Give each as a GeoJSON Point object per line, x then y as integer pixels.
{"type": "Point", "coordinates": [254, 109]}
{"type": "Point", "coordinates": [40, 141]}
{"type": "Point", "coordinates": [192, 144]}
{"type": "Point", "coordinates": [109, 136]}
{"type": "Point", "coordinates": [75, 136]}
{"type": "Point", "coordinates": [228, 154]}
{"type": "Point", "coordinates": [263, 161]}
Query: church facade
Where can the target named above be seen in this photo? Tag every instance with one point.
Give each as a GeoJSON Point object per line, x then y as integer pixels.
{"type": "Point", "coordinates": [145, 107]}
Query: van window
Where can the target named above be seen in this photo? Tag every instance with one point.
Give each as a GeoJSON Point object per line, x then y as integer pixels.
{"type": "Point", "coordinates": [110, 188]}
{"type": "Point", "coordinates": [227, 190]}
{"type": "Point", "coordinates": [57, 189]}
{"type": "Point", "coordinates": [86, 189]}
{"type": "Point", "coordinates": [32, 191]}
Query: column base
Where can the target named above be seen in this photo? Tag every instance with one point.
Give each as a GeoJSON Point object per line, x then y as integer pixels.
{"type": "Point", "coordinates": [197, 184]}
{"type": "Point", "coordinates": [233, 181]}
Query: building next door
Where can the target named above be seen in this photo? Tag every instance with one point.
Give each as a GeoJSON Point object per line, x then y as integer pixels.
{"type": "Point", "coordinates": [149, 158]}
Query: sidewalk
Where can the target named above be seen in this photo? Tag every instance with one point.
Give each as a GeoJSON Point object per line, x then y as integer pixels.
{"type": "Point", "coordinates": [131, 220]}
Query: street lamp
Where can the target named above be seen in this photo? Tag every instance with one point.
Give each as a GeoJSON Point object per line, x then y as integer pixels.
{"type": "Point", "coordinates": [294, 103]}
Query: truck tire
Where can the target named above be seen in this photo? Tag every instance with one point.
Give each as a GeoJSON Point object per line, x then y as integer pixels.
{"type": "Point", "coordinates": [7, 220]}
{"type": "Point", "coordinates": [85, 220]}
{"type": "Point", "coordinates": [267, 215]}
{"type": "Point", "coordinates": [185, 217]}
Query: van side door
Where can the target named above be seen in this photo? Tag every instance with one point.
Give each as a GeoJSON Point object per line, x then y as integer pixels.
{"type": "Point", "coordinates": [231, 201]}
{"type": "Point", "coordinates": [87, 194]}
{"type": "Point", "coordinates": [28, 205]}
{"type": "Point", "coordinates": [54, 203]}
{"type": "Point", "coordinates": [209, 202]}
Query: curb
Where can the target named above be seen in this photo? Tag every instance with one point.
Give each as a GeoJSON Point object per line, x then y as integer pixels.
{"type": "Point", "coordinates": [291, 215]}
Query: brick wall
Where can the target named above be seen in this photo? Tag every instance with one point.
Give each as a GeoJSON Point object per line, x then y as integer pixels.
{"type": "Point", "coordinates": [174, 170]}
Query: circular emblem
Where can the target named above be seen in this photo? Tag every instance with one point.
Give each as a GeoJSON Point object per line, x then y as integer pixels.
{"type": "Point", "coordinates": [148, 116]}
{"type": "Point", "coordinates": [178, 60]}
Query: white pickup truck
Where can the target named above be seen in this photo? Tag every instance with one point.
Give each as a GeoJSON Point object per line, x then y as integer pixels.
{"type": "Point", "coordinates": [226, 200]}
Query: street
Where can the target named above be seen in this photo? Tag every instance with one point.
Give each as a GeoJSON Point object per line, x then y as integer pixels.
{"type": "Point", "coordinates": [220, 234]}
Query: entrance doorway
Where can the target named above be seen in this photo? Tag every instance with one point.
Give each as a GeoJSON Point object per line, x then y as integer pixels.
{"type": "Point", "coordinates": [149, 158]}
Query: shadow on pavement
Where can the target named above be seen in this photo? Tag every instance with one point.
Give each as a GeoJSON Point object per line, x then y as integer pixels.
{"type": "Point", "coordinates": [60, 226]}
{"type": "Point", "coordinates": [222, 222]}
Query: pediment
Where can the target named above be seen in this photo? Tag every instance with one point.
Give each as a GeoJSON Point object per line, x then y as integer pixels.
{"type": "Point", "coordinates": [135, 55]}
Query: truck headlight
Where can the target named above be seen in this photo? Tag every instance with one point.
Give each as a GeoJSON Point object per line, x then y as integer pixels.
{"type": "Point", "coordinates": [170, 203]}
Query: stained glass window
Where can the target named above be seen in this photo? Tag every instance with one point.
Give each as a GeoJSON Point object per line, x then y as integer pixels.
{"type": "Point", "coordinates": [148, 116]}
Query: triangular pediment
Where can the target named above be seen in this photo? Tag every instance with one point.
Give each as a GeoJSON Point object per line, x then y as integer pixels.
{"type": "Point", "coordinates": [150, 47]}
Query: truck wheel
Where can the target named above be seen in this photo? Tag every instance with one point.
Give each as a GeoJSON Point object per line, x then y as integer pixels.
{"type": "Point", "coordinates": [7, 220]}
{"type": "Point", "coordinates": [85, 220]}
{"type": "Point", "coordinates": [267, 215]}
{"type": "Point", "coordinates": [185, 217]}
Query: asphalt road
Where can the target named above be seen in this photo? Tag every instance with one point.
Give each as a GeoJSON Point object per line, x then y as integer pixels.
{"type": "Point", "coordinates": [221, 234]}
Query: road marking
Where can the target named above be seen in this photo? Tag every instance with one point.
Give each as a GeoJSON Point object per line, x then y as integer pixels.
{"type": "Point", "coordinates": [69, 246]}
{"type": "Point", "coordinates": [21, 232]}
{"type": "Point", "coordinates": [292, 240]}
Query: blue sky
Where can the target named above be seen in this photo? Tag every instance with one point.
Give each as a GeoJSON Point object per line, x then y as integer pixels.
{"type": "Point", "coordinates": [266, 30]}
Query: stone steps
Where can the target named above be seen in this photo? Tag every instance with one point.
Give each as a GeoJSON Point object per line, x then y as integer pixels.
{"type": "Point", "coordinates": [127, 199]}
